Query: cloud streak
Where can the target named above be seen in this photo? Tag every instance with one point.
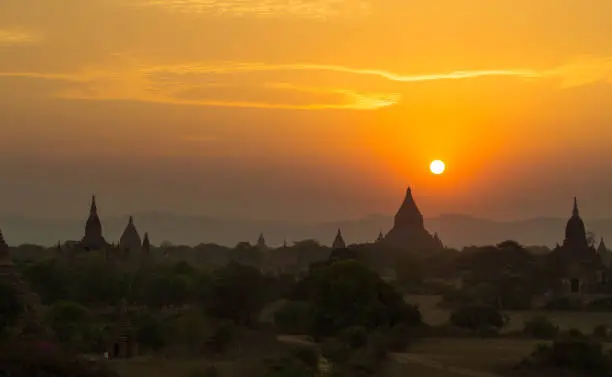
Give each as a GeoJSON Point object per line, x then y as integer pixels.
{"type": "Point", "coordinates": [314, 9]}
{"type": "Point", "coordinates": [16, 37]}
{"type": "Point", "coordinates": [224, 68]}
{"type": "Point", "coordinates": [181, 85]}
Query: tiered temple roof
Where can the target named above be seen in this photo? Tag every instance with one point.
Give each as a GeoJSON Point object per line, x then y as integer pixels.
{"type": "Point", "coordinates": [130, 239]}
{"type": "Point", "coordinates": [123, 343]}
{"type": "Point", "coordinates": [339, 241]}
{"type": "Point", "coordinates": [145, 251]}
{"type": "Point", "coordinates": [93, 239]}
{"type": "Point", "coordinates": [261, 242]}
{"type": "Point", "coordinates": [575, 231]}
{"type": "Point", "coordinates": [602, 248]}
{"type": "Point", "coordinates": [408, 230]}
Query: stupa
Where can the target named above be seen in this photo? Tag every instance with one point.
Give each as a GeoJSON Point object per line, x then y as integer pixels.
{"type": "Point", "coordinates": [408, 232]}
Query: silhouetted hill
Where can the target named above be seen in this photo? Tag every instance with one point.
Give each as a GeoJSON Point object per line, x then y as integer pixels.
{"type": "Point", "coordinates": [455, 230]}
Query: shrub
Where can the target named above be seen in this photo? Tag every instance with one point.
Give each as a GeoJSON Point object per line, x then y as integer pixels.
{"type": "Point", "coordinates": [602, 304]}
{"type": "Point", "coordinates": [294, 317]}
{"type": "Point", "coordinates": [288, 366]}
{"type": "Point", "coordinates": [222, 336]}
{"type": "Point", "coordinates": [307, 354]}
{"type": "Point", "coordinates": [487, 331]}
{"type": "Point", "coordinates": [26, 359]}
{"type": "Point", "coordinates": [355, 337]}
{"type": "Point", "coordinates": [211, 371]}
{"type": "Point", "coordinates": [578, 355]}
{"type": "Point", "coordinates": [601, 332]}
{"type": "Point", "coordinates": [541, 327]}
{"type": "Point", "coordinates": [477, 316]}
{"type": "Point", "coordinates": [336, 351]}
{"type": "Point", "coordinates": [399, 337]}
{"type": "Point", "coordinates": [564, 303]}
{"type": "Point", "coordinates": [151, 332]}
{"type": "Point", "coordinates": [575, 333]}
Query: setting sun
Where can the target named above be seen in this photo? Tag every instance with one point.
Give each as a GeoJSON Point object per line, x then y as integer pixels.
{"type": "Point", "coordinates": [437, 167]}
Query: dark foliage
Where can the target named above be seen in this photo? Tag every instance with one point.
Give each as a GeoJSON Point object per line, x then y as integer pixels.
{"type": "Point", "coordinates": [347, 294]}
{"type": "Point", "coordinates": [10, 307]}
{"type": "Point", "coordinates": [541, 327]}
{"type": "Point", "coordinates": [478, 316]}
{"type": "Point", "coordinates": [579, 355]}
{"type": "Point", "coordinates": [237, 293]}
{"type": "Point", "coordinates": [21, 359]}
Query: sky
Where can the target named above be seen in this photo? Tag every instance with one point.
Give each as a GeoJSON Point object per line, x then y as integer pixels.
{"type": "Point", "coordinates": [305, 109]}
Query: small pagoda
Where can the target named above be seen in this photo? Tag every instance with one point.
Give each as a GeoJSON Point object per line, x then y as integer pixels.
{"type": "Point", "coordinates": [409, 232]}
{"type": "Point", "coordinates": [122, 341]}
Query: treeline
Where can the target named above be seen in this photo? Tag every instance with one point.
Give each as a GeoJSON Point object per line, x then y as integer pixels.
{"type": "Point", "coordinates": [352, 315]}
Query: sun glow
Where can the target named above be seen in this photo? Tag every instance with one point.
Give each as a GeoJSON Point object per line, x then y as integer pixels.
{"type": "Point", "coordinates": [437, 167]}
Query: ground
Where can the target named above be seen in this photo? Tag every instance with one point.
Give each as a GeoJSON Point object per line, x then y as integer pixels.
{"type": "Point", "coordinates": [453, 357]}
{"type": "Point", "coordinates": [430, 358]}
{"type": "Point", "coordinates": [462, 357]}
{"type": "Point", "coordinates": [583, 321]}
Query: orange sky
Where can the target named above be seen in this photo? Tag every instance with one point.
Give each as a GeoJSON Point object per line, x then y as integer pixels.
{"type": "Point", "coordinates": [305, 109]}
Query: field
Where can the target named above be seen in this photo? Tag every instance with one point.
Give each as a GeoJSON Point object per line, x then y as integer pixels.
{"type": "Point", "coordinates": [453, 357]}
{"type": "Point", "coordinates": [429, 358]}
{"type": "Point", "coordinates": [583, 321]}
{"type": "Point", "coordinates": [462, 357]}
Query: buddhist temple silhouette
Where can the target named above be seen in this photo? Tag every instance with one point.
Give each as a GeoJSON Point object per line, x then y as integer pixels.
{"type": "Point", "coordinates": [339, 241]}
{"type": "Point", "coordinates": [580, 266]}
{"type": "Point", "coordinates": [93, 238]}
{"type": "Point", "coordinates": [130, 239]}
{"type": "Point", "coordinates": [408, 231]}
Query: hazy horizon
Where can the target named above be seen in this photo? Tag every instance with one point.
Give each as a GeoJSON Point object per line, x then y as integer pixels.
{"type": "Point", "coordinates": [308, 109]}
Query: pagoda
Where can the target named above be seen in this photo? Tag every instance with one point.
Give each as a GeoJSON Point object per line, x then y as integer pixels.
{"type": "Point", "coordinates": [339, 241]}
{"type": "Point", "coordinates": [130, 239]}
{"type": "Point", "coordinates": [408, 232]}
{"type": "Point", "coordinates": [93, 239]}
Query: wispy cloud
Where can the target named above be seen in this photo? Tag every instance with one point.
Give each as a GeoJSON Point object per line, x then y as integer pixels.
{"type": "Point", "coordinates": [222, 68]}
{"type": "Point", "coordinates": [310, 98]}
{"type": "Point", "coordinates": [316, 9]}
{"type": "Point", "coordinates": [16, 37]}
{"type": "Point", "coordinates": [584, 71]}
{"type": "Point", "coordinates": [190, 84]}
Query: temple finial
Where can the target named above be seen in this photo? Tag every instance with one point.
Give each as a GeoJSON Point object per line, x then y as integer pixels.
{"type": "Point", "coordinates": [146, 244]}
{"type": "Point", "coordinates": [575, 211]}
{"type": "Point", "coordinates": [339, 241]}
{"type": "Point", "coordinates": [94, 209]}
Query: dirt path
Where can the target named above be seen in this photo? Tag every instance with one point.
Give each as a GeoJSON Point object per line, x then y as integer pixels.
{"type": "Point", "coordinates": [296, 339]}
{"type": "Point", "coordinates": [422, 360]}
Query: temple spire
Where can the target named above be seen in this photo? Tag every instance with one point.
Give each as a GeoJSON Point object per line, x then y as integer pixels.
{"type": "Point", "coordinates": [575, 231]}
{"type": "Point", "coordinates": [408, 231]}
{"type": "Point", "coordinates": [93, 211]}
{"type": "Point", "coordinates": [575, 211]}
{"type": "Point", "coordinates": [261, 242]}
{"type": "Point", "coordinates": [339, 241]}
{"type": "Point", "coordinates": [146, 244]}
{"type": "Point", "coordinates": [130, 240]}
{"type": "Point", "coordinates": [602, 248]}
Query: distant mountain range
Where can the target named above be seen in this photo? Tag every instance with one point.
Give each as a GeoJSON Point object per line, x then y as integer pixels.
{"type": "Point", "coordinates": [454, 230]}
